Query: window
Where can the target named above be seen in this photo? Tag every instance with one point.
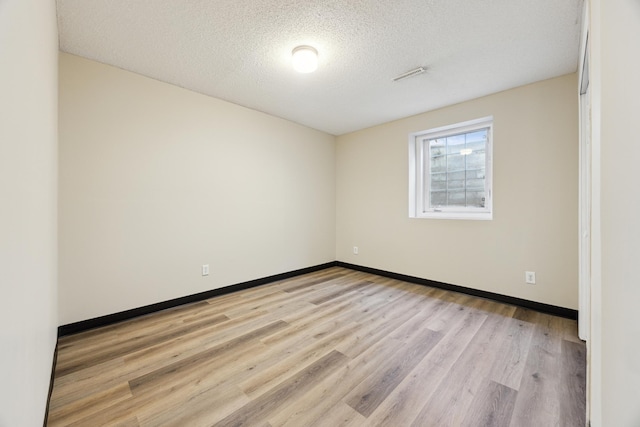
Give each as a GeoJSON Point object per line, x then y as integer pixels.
{"type": "Point", "coordinates": [450, 171]}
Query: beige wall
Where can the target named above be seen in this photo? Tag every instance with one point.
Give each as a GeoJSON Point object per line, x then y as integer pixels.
{"type": "Point", "coordinates": [615, 346]}
{"type": "Point", "coordinates": [156, 180]}
{"type": "Point", "coordinates": [535, 199]}
{"type": "Point", "coordinates": [28, 188]}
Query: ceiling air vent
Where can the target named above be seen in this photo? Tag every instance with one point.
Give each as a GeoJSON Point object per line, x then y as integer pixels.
{"type": "Point", "coordinates": [410, 73]}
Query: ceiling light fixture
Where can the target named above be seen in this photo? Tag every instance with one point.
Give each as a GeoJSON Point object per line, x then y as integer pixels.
{"type": "Point", "coordinates": [410, 73]}
{"type": "Point", "coordinates": [305, 59]}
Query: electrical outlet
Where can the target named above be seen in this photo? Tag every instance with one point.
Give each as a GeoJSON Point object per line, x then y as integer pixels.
{"type": "Point", "coordinates": [355, 250]}
{"type": "Point", "coordinates": [205, 269]}
{"type": "Point", "coordinates": [530, 277]}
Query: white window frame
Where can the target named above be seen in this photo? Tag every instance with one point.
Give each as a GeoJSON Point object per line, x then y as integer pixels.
{"type": "Point", "coordinates": [419, 175]}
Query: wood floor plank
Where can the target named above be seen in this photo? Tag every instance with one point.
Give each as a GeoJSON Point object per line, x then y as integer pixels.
{"type": "Point", "coordinates": [306, 284]}
{"type": "Point", "coordinates": [508, 368]}
{"type": "Point", "coordinates": [215, 336]}
{"type": "Point", "coordinates": [121, 329]}
{"type": "Point", "coordinates": [225, 372]}
{"type": "Point", "coordinates": [526, 315]}
{"type": "Point", "coordinates": [381, 322]}
{"type": "Point", "coordinates": [261, 407]}
{"type": "Point", "coordinates": [328, 393]}
{"type": "Point", "coordinates": [180, 367]}
{"type": "Point", "coordinates": [106, 375]}
{"type": "Point", "coordinates": [367, 395]}
{"type": "Point", "coordinates": [110, 373]}
{"type": "Point", "coordinates": [202, 409]}
{"type": "Point", "coordinates": [450, 312]}
{"type": "Point", "coordinates": [340, 304]}
{"type": "Point", "coordinates": [277, 300]}
{"type": "Point", "coordinates": [247, 364]}
{"type": "Point", "coordinates": [121, 413]}
{"type": "Point", "coordinates": [262, 381]}
{"type": "Point", "coordinates": [573, 379]}
{"type": "Point", "coordinates": [340, 415]}
{"type": "Point", "coordinates": [491, 407]}
{"type": "Point", "coordinates": [317, 323]}
{"type": "Point", "coordinates": [175, 395]}
{"type": "Point", "coordinates": [82, 408]}
{"type": "Point", "coordinates": [165, 402]}
{"type": "Point", "coordinates": [137, 343]}
{"type": "Point", "coordinates": [307, 350]}
{"type": "Point", "coordinates": [341, 290]}
{"type": "Point", "coordinates": [331, 316]}
{"type": "Point", "coordinates": [538, 401]}
{"type": "Point", "coordinates": [66, 392]}
{"type": "Point", "coordinates": [308, 409]}
{"type": "Point", "coordinates": [448, 403]}
{"type": "Point", "coordinates": [405, 403]}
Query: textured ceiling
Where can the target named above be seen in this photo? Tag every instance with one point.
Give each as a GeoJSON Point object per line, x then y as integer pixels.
{"type": "Point", "coordinates": [240, 50]}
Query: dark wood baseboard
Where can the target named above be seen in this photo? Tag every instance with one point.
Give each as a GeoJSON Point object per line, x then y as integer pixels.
{"type": "Point", "coordinates": [53, 376]}
{"type": "Point", "coordinates": [85, 325]}
{"type": "Point", "coordinates": [533, 305]}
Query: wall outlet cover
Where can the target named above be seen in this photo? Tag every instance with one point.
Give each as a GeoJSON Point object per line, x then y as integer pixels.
{"type": "Point", "coordinates": [530, 277]}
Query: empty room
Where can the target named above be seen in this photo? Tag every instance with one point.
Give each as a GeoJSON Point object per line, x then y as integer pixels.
{"type": "Point", "coordinates": [334, 213]}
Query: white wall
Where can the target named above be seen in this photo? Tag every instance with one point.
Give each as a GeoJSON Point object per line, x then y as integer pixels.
{"type": "Point", "coordinates": [28, 185]}
{"type": "Point", "coordinates": [156, 180]}
{"type": "Point", "coordinates": [615, 346]}
{"type": "Point", "coordinates": [535, 199]}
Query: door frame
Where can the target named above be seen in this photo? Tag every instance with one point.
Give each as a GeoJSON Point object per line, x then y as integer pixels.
{"type": "Point", "coordinates": [584, 198]}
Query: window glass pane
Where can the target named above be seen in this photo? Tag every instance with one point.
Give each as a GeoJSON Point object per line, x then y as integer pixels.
{"type": "Point", "coordinates": [456, 184]}
{"type": "Point", "coordinates": [456, 169]}
{"type": "Point", "coordinates": [456, 198]}
{"type": "Point", "coordinates": [475, 146]}
{"type": "Point", "coordinates": [475, 184]}
{"type": "Point", "coordinates": [475, 199]}
{"type": "Point", "coordinates": [438, 198]}
{"type": "Point", "coordinates": [475, 160]}
{"type": "Point", "coordinates": [475, 174]}
{"type": "Point", "coordinates": [455, 143]}
{"type": "Point", "coordinates": [456, 176]}
{"type": "Point", "coordinates": [438, 177]}
{"type": "Point", "coordinates": [438, 164]}
{"type": "Point", "coordinates": [455, 162]}
{"type": "Point", "coordinates": [437, 147]}
{"type": "Point", "coordinates": [439, 185]}
{"type": "Point", "coordinates": [479, 136]}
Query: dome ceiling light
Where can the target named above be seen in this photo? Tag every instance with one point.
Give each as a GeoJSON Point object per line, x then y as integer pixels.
{"type": "Point", "coordinates": [305, 59]}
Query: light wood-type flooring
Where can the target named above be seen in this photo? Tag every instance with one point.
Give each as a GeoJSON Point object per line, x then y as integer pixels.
{"type": "Point", "coordinates": [332, 348]}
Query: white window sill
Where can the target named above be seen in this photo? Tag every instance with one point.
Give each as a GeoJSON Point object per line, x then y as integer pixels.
{"type": "Point", "coordinates": [482, 216]}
